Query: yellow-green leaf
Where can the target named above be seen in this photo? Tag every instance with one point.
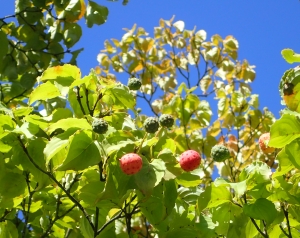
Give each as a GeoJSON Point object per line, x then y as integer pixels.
{"type": "Point", "coordinates": [43, 92]}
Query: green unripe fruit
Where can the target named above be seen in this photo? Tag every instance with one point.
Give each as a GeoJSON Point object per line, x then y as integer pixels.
{"type": "Point", "coordinates": [100, 126]}
{"type": "Point", "coordinates": [151, 125]}
{"type": "Point", "coordinates": [288, 89]}
{"type": "Point", "coordinates": [166, 120]}
{"type": "Point", "coordinates": [134, 84]}
{"type": "Point", "coordinates": [220, 153]}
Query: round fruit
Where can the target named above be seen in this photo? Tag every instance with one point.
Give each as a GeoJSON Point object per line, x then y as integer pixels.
{"type": "Point", "coordinates": [131, 163]}
{"type": "Point", "coordinates": [189, 160]}
{"type": "Point", "coordinates": [288, 89]}
{"type": "Point", "coordinates": [289, 96]}
{"type": "Point", "coordinates": [100, 126]}
{"type": "Point", "coordinates": [263, 143]}
{"type": "Point", "coordinates": [134, 84]}
{"type": "Point", "coordinates": [166, 120]}
{"type": "Point", "coordinates": [220, 153]}
{"type": "Point", "coordinates": [151, 125]}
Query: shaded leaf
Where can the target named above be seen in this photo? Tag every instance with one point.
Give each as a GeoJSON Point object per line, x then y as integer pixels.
{"type": "Point", "coordinates": [261, 209]}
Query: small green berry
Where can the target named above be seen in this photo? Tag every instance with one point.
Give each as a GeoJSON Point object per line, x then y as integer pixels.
{"type": "Point", "coordinates": [220, 153]}
{"type": "Point", "coordinates": [166, 120]}
{"type": "Point", "coordinates": [151, 125]}
{"type": "Point", "coordinates": [100, 126]}
{"type": "Point", "coordinates": [134, 84]}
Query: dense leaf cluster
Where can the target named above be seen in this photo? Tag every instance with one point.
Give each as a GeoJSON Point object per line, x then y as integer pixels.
{"type": "Point", "coordinates": [60, 178]}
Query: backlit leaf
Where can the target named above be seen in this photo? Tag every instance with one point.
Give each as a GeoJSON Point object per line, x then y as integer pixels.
{"type": "Point", "coordinates": [43, 92]}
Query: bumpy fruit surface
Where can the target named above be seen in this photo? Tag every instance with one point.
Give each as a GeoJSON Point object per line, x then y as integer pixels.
{"type": "Point", "coordinates": [263, 143]}
{"type": "Point", "coordinates": [220, 153]}
{"type": "Point", "coordinates": [166, 120]}
{"type": "Point", "coordinates": [151, 125]}
{"type": "Point", "coordinates": [134, 84]}
{"type": "Point", "coordinates": [189, 160]}
{"type": "Point", "coordinates": [131, 163]}
{"type": "Point", "coordinates": [100, 126]}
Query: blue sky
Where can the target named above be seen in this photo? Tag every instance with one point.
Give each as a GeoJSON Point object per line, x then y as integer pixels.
{"type": "Point", "coordinates": [262, 28]}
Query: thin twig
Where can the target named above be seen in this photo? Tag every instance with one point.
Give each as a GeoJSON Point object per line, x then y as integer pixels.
{"type": "Point", "coordinates": [117, 216]}
{"type": "Point", "coordinates": [254, 222]}
{"type": "Point", "coordinates": [50, 175]}
{"type": "Point", "coordinates": [26, 217]}
{"type": "Point", "coordinates": [78, 97]}
{"type": "Point", "coordinates": [6, 212]}
{"type": "Point", "coordinates": [57, 217]}
{"type": "Point", "coordinates": [286, 214]}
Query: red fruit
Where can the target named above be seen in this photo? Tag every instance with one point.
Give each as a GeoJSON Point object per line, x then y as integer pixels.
{"type": "Point", "coordinates": [263, 143]}
{"type": "Point", "coordinates": [189, 160]}
{"type": "Point", "coordinates": [131, 163]}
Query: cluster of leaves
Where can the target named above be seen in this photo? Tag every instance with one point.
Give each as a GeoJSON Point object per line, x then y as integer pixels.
{"type": "Point", "coordinates": [41, 34]}
{"type": "Point", "coordinates": [61, 179]}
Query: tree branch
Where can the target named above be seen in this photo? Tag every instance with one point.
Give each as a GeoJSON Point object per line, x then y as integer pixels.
{"type": "Point", "coordinates": [79, 100]}
{"type": "Point", "coordinates": [26, 217]}
{"type": "Point", "coordinates": [57, 217]}
{"type": "Point", "coordinates": [286, 214]}
{"type": "Point", "coordinates": [117, 216]}
{"type": "Point", "coordinates": [51, 176]}
{"type": "Point", "coordinates": [254, 222]}
{"type": "Point", "coordinates": [6, 212]}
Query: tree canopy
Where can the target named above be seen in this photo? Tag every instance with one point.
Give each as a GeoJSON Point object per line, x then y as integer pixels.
{"type": "Point", "coordinates": [183, 150]}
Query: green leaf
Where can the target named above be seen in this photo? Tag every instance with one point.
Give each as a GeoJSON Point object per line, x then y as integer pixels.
{"type": "Point", "coordinates": [4, 45]}
{"type": "Point", "coordinates": [256, 173]}
{"type": "Point", "coordinates": [22, 111]}
{"type": "Point", "coordinates": [72, 34]}
{"type": "Point", "coordinates": [213, 196]}
{"type": "Point", "coordinates": [290, 56]}
{"type": "Point", "coordinates": [285, 164]}
{"type": "Point", "coordinates": [239, 188]}
{"type": "Point", "coordinates": [4, 148]}
{"type": "Point", "coordinates": [6, 122]}
{"type": "Point", "coordinates": [64, 75]}
{"type": "Point", "coordinates": [57, 144]}
{"type": "Point", "coordinates": [261, 209]}
{"type": "Point", "coordinates": [81, 152]}
{"type": "Point", "coordinates": [85, 228]}
{"type": "Point", "coordinates": [120, 96]}
{"type": "Point", "coordinates": [12, 184]}
{"type": "Point", "coordinates": [36, 151]}
{"type": "Point", "coordinates": [170, 195]}
{"type": "Point", "coordinates": [68, 123]}
{"type": "Point", "coordinates": [91, 192]}
{"type": "Point", "coordinates": [95, 14]}
{"type": "Point", "coordinates": [43, 92]}
{"type": "Point", "coordinates": [189, 195]}
{"type": "Point", "coordinates": [230, 219]}
{"type": "Point", "coordinates": [153, 207]}
{"type": "Point", "coordinates": [8, 230]}
{"type": "Point", "coordinates": [292, 151]}
{"type": "Point", "coordinates": [284, 130]}
{"type": "Point", "coordinates": [188, 179]}
{"type": "Point", "coordinates": [150, 175]}
{"type": "Point", "coordinates": [206, 227]}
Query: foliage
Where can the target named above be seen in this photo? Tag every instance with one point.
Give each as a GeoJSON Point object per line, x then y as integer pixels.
{"type": "Point", "coordinates": [61, 179]}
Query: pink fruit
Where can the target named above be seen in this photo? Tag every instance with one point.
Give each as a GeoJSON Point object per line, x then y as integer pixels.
{"type": "Point", "coordinates": [189, 160]}
{"type": "Point", "coordinates": [263, 143]}
{"type": "Point", "coordinates": [131, 163]}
